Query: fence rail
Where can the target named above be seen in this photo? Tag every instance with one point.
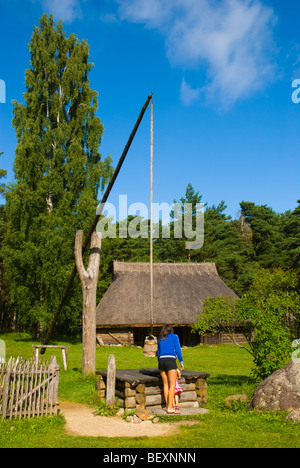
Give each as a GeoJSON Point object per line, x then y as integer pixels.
{"type": "Point", "coordinates": [28, 388]}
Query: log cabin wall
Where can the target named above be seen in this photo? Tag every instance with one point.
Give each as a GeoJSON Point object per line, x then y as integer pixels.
{"type": "Point", "coordinates": [136, 336]}
{"type": "Point", "coordinates": [115, 336]}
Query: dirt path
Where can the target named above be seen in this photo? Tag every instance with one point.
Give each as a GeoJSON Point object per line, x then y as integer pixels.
{"type": "Point", "coordinates": [81, 421]}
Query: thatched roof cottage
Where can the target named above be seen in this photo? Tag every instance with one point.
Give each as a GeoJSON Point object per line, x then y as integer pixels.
{"type": "Point", "coordinates": [123, 315]}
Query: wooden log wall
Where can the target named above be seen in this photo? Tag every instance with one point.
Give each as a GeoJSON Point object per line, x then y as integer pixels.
{"type": "Point", "coordinates": [221, 338]}
{"type": "Point", "coordinates": [148, 396]}
{"type": "Point", "coordinates": [129, 337]}
{"type": "Point", "coordinates": [114, 337]}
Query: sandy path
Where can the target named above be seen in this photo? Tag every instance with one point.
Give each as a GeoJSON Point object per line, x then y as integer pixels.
{"type": "Point", "coordinates": [81, 421]}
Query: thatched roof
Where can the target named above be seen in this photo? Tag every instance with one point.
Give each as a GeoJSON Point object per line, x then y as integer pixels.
{"type": "Point", "coordinates": [179, 292]}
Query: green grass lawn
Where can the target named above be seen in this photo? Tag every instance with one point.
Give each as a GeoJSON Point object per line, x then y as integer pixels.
{"type": "Point", "coordinates": [229, 367]}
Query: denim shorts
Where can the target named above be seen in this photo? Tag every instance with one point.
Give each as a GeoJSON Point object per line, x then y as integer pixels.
{"type": "Point", "coordinates": [167, 364]}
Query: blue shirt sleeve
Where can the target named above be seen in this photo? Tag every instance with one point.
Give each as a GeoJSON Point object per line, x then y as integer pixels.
{"type": "Point", "coordinates": [178, 348]}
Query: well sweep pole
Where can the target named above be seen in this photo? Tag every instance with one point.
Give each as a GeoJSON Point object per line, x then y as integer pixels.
{"type": "Point", "coordinates": [95, 222]}
{"type": "Point", "coordinates": [151, 221]}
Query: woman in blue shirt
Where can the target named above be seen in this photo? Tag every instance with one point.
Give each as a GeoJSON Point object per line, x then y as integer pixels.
{"type": "Point", "coordinates": [168, 350]}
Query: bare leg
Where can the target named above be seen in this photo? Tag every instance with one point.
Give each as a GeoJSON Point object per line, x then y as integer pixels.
{"type": "Point", "coordinates": [165, 385]}
{"type": "Point", "coordinates": [172, 376]}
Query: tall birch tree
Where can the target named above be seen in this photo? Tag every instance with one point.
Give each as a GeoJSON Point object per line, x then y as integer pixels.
{"type": "Point", "coordinates": [58, 174]}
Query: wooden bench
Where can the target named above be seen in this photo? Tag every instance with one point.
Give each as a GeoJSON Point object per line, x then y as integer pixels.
{"type": "Point", "coordinates": [64, 350]}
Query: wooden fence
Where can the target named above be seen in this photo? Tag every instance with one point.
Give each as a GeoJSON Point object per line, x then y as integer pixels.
{"type": "Point", "coordinates": [28, 388]}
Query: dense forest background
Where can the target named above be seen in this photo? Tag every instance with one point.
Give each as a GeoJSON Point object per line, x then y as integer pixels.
{"type": "Point", "coordinates": [260, 237]}
{"type": "Point", "coordinates": [59, 176]}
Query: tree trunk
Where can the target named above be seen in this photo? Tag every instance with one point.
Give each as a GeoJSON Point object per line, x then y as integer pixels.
{"type": "Point", "coordinates": [89, 279]}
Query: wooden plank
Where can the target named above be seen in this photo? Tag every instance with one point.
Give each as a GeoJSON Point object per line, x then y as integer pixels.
{"type": "Point", "coordinates": [185, 404]}
{"type": "Point", "coordinates": [12, 390]}
{"type": "Point", "coordinates": [158, 399]}
{"type": "Point", "coordinates": [18, 371]}
{"type": "Point", "coordinates": [188, 396]}
{"type": "Point", "coordinates": [187, 387]}
{"type": "Point", "coordinates": [6, 390]}
{"type": "Point", "coordinates": [188, 404]}
{"type": "Point", "coordinates": [152, 400]}
{"type": "Point", "coordinates": [35, 385]}
{"type": "Point", "coordinates": [100, 341]}
{"type": "Point", "coordinates": [42, 407]}
{"type": "Point", "coordinates": [30, 377]}
{"type": "Point", "coordinates": [115, 338]}
{"type": "Point", "coordinates": [64, 359]}
{"type": "Point", "coordinates": [159, 388]}
{"type": "Point", "coordinates": [39, 391]}
{"type": "Point", "coordinates": [154, 390]}
{"type": "Point", "coordinates": [22, 389]}
{"type": "Point", "coordinates": [51, 346]}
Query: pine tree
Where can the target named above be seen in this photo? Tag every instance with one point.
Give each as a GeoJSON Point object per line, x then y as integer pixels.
{"type": "Point", "coordinates": [291, 244]}
{"type": "Point", "coordinates": [267, 235]}
{"type": "Point", "coordinates": [58, 172]}
{"type": "Point", "coordinates": [2, 174]}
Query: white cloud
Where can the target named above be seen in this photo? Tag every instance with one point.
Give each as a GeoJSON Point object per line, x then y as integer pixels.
{"type": "Point", "coordinates": [66, 10]}
{"type": "Point", "coordinates": [109, 18]}
{"type": "Point", "coordinates": [187, 94]}
{"type": "Point", "coordinates": [231, 40]}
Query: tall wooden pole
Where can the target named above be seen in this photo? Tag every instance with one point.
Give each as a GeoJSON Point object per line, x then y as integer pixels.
{"type": "Point", "coordinates": [89, 279]}
{"type": "Point", "coordinates": [94, 223]}
{"type": "Point", "coordinates": [151, 221]}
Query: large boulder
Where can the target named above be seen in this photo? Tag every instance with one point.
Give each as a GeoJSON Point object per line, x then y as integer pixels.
{"type": "Point", "coordinates": [280, 391]}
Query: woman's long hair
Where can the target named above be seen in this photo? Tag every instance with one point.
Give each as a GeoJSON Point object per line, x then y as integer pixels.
{"type": "Point", "coordinates": [166, 330]}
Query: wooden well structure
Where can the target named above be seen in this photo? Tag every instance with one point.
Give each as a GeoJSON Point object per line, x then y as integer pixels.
{"type": "Point", "coordinates": [143, 388]}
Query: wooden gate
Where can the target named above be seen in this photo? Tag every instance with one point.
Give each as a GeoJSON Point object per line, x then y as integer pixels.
{"type": "Point", "coordinates": [28, 388]}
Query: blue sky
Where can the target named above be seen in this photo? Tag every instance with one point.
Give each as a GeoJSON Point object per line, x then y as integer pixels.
{"type": "Point", "coordinates": [221, 74]}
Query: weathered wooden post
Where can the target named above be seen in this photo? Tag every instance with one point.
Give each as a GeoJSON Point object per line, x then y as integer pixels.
{"type": "Point", "coordinates": [89, 280]}
{"type": "Point", "coordinates": [6, 389]}
{"type": "Point", "coordinates": [53, 370]}
{"type": "Point", "coordinates": [111, 381]}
